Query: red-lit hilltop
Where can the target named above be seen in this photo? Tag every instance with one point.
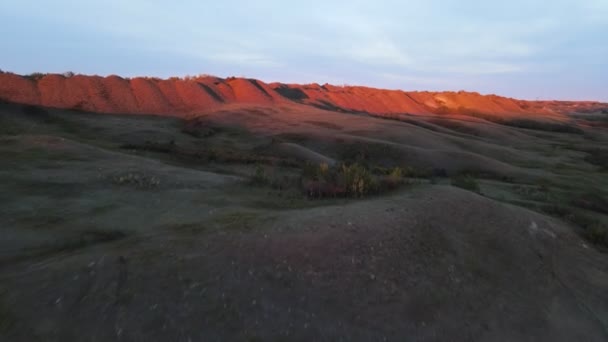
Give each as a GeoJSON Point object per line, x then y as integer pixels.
{"type": "Point", "coordinates": [181, 97]}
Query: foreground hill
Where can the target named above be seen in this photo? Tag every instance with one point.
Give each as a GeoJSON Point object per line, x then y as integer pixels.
{"type": "Point", "coordinates": [181, 97]}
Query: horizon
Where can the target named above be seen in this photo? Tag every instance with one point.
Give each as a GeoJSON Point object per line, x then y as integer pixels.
{"type": "Point", "coordinates": [522, 50]}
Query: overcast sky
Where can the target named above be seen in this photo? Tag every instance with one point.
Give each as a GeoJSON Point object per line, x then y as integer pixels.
{"type": "Point", "coordinates": [520, 48]}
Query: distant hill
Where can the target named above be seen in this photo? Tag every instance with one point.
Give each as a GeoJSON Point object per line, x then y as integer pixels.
{"type": "Point", "coordinates": [182, 97]}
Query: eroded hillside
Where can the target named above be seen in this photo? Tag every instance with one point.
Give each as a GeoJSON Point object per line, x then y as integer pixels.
{"type": "Point", "coordinates": [181, 97]}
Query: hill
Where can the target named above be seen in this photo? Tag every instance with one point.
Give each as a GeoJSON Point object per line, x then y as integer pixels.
{"type": "Point", "coordinates": [230, 209]}
{"type": "Point", "coordinates": [183, 97]}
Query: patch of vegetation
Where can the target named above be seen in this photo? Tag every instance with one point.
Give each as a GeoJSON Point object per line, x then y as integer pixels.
{"type": "Point", "coordinates": [203, 128]}
{"type": "Point", "coordinates": [260, 177]}
{"type": "Point", "coordinates": [455, 126]}
{"type": "Point", "coordinates": [592, 200]}
{"type": "Point", "coordinates": [43, 156]}
{"type": "Point", "coordinates": [90, 238]}
{"type": "Point", "coordinates": [191, 228]}
{"type": "Point", "coordinates": [83, 240]}
{"type": "Point", "coordinates": [419, 124]}
{"type": "Point", "coordinates": [595, 118]}
{"type": "Point", "coordinates": [36, 112]}
{"type": "Point", "coordinates": [62, 122]}
{"type": "Point", "coordinates": [7, 319]}
{"type": "Point", "coordinates": [598, 157]}
{"type": "Point", "coordinates": [405, 172]}
{"type": "Point", "coordinates": [347, 180]}
{"type": "Point", "coordinates": [291, 137]}
{"type": "Point", "coordinates": [443, 110]}
{"type": "Point", "coordinates": [367, 154]}
{"type": "Point", "coordinates": [323, 124]}
{"type": "Point", "coordinates": [557, 127]}
{"type": "Point", "coordinates": [466, 181]}
{"type": "Point", "coordinates": [240, 220]}
{"type": "Point", "coordinates": [540, 193]}
{"type": "Point", "coordinates": [211, 154]}
{"type": "Point", "coordinates": [102, 209]}
{"type": "Point", "coordinates": [543, 126]}
{"type": "Point", "coordinates": [8, 127]}
{"type": "Point", "coordinates": [355, 179]}
{"type": "Point", "coordinates": [198, 129]}
{"type": "Point", "coordinates": [597, 234]}
{"type": "Point", "coordinates": [35, 76]}
{"type": "Point", "coordinates": [292, 198]}
{"type": "Point", "coordinates": [593, 230]}
{"type": "Point", "coordinates": [137, 180]}
{"type": "Point", "coordinates": [167, 147]}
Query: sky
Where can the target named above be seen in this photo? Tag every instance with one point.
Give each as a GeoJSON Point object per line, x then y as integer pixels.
{"type": "Point", "coordinates": [528, 49]}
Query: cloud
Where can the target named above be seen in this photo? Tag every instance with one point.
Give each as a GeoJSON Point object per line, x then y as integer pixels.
{"type": "Point", "coordinates": [353, 41]}
{"type": "Point", "coordinates": [242, 59]}
{"type": "Point", "coordinates": [381, 52]}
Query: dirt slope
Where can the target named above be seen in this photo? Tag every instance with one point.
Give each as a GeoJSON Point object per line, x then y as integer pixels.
{"type": "Point", "coordinates": [181, 97]}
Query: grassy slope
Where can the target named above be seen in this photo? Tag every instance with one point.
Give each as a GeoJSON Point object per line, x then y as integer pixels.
{"type": "Point", "coordinates": [78, 189]}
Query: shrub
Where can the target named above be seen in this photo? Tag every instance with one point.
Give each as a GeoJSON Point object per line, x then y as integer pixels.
{"type": "Point", "coordinates": [592, 229]}
{"type": "Point", "coordinates": [592, 200]}
{"type": "Point", "coordinates": [283, 183]}
{"type": "Point", "coordinates": [68, 74]}
{"type": "Point", "coordinates": [323, 189]}
{"type": "Point", "coordinates": [391, 181]}
{"type": "Point", "coordinates": [396, 173]}
{"type": "Point", "coordinates": [540, 193]}
{"type": "Point", "coordinates": [35, 76]}
{"type": "Point", "coordinates": [323, 169]}
{"type": "Point", "coordinates": [137, 180]}
{"type": "Point", "coordinates": [370, 154]}
{"type": "Point", "coordinates": [259, 177]}
{"type": "Point", "coordinates": [348, 180]}
{"type": "Point", "coordinates": [439, 172]}
{"type": "Point", "coordinates": [543, 126]}
{"type": "Point", "coordinates": [598, 157]}
{"type": "Point", "coordinates": [597, 234]}
{"type": "Point", "coordinates": [310, 171]}
{"type": "Point", "coordinates": [356, 179]}
{"type": "Point", "coordinates": [466, 181]}
{"type": "Point", "coordinates": [455, 126]}
{"type": "Point", "coordinates": [443, 110]}
{"type": "Point", "coordinates": [557, 210]}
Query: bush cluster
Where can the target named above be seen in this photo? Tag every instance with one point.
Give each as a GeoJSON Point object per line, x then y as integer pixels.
{"type": "Point", "coordinates": [35, 76]}
{"type": "Point", "coordinates": [466, 181]}
{"type": "Point", "coordinates": [347, 180]}
{"type": "Point", "coordinates": [137, 180]}
{"type": "Point", "coordinates": [593, 230]}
